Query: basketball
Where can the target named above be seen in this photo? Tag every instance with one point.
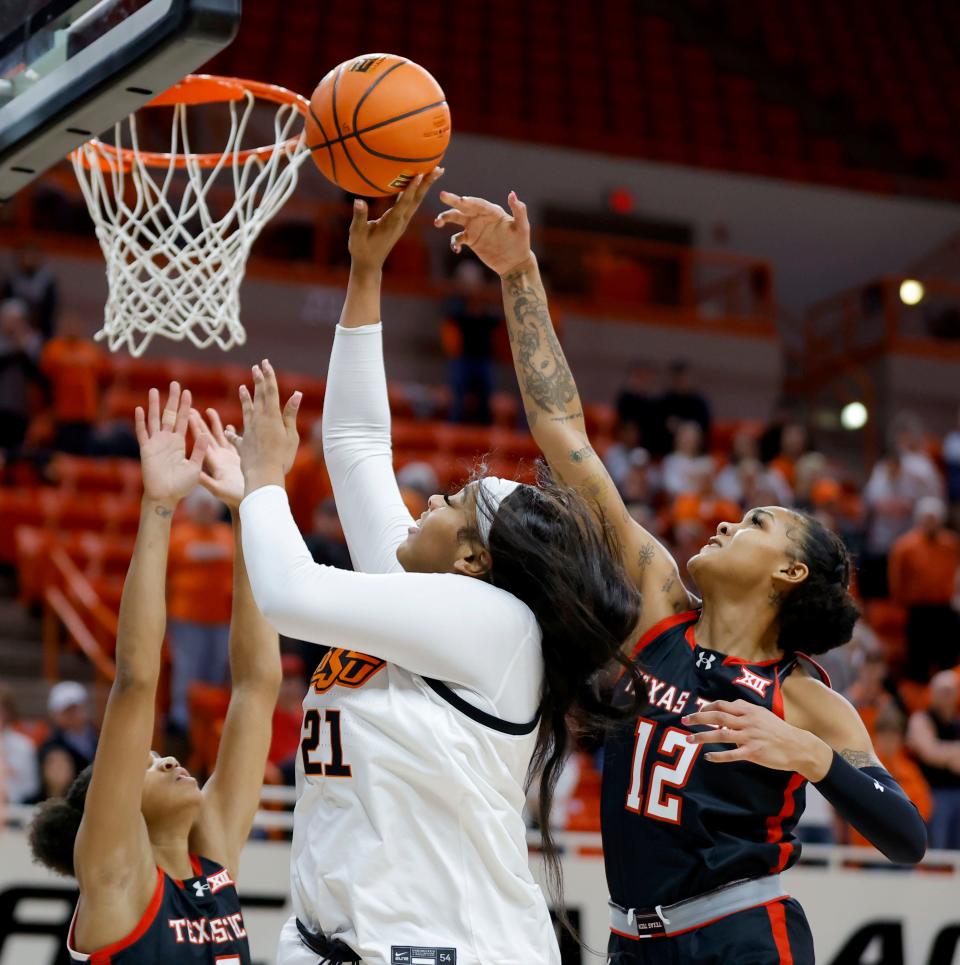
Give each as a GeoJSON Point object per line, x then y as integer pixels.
{"type": "Point", "coordinates": [376, 122]}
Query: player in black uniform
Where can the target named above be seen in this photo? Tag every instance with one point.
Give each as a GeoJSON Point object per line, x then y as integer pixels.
{"type": "Point", "coordinates": [695, 836]}
{"type": "Point", "coordinates": [154, 855]}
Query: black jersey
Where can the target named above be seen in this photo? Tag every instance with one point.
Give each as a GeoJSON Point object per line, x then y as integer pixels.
{"type": "Point", "coordinates": [193, 921]}
{"type": "Point", "coordinates": [675, 825]}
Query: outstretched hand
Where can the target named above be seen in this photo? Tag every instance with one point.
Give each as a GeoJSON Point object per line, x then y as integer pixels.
{"type": "Point", "coordinates": [270, 438]}
{"type": "Point", "coordinates": [372, 241]}
{"type": "Point", "coordinates": [168, 475]}
{"type": "Point", "coordinates": [222, 469]}
{"type": "Point", "coordinates": [221, 473]}
{"type": "Point", "coordinates": [500, 240]}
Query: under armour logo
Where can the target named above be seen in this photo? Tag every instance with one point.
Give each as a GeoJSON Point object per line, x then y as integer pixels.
{"type": "Point", "coordinates": [705, 660]}
{"type": "Point", "coordinates": [878, 786]}
{"type": "Point", "coordinates": [200, 887]}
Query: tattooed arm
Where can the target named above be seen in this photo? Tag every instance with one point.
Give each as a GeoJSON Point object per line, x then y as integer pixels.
{"type": "Point", "coordinates": [550, 397]}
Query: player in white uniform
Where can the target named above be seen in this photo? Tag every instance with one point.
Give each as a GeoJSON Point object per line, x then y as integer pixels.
{"type": "Point", "coordinates": [421, 723]}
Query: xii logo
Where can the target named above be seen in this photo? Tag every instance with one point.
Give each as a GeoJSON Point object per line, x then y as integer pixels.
{"type": "Point", "coordinates": [753, 681]}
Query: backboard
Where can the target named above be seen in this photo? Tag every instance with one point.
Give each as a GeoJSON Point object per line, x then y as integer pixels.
{"type": "Point", "coordinates": [69, 69]}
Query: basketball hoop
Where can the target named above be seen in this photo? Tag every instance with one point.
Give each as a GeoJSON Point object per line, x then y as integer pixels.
{"type": "Point", "coordinates": [174, 268]}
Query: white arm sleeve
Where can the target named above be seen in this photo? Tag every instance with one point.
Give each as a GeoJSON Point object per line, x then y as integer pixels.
{"type": "Point", "coordinates": [358, 453]}
{"type": "Point", "coordinates": [454, 628]}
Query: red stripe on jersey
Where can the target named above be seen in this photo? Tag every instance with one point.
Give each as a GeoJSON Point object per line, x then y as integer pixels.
{"type": "Point", "coordinates": [778, 925]}
{"type": "Point", "coordinates": [777, 707]}
{"type": "Point", "coordinates": [775, 823]}
{"type": "Point", "coordinates": [103, 956]}
{"type": "Point", "coordinates": [667, 623]}
{"type": "Point", "coordinates": [736, 661]}
{"type": "Point", "coordinates": [824, 676]}
{"type": "Point", "coordinates": [197, 867]}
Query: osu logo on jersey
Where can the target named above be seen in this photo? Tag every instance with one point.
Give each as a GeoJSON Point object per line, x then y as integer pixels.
{"type": "Point", "coordinates": [348, 668]}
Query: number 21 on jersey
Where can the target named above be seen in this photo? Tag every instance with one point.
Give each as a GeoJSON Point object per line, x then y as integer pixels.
{"type": "Point", "coordinates": [657, 803]}
{"type": "Point", "coordinates": [331, 762]}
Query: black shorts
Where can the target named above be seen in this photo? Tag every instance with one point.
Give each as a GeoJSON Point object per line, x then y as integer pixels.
{"type": "Point", "coordinates": [774, 934]}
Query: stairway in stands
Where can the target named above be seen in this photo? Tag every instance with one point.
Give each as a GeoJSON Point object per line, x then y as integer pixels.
{"type": "Point", "coordinates": [21, 655]}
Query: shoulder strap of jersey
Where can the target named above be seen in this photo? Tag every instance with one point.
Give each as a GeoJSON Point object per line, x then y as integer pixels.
{"type": "Point", "coordinates": [662, 627]}
{"type": "Point", "coordinates": [809, 664]}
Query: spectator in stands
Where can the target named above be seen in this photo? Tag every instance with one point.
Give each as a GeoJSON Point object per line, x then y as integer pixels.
{"type": "Point", "coordinates": [951, 459]}
{"type": "Point", "coordinates": [74, 366]}
{"type": "Point", "coordinates": [681, 466]}
{"type": "Point", "coordinates": [638, 406]}
{"type": "Point", "coordinates": [470, 323]}
{"type": "Point", "coordinates": [889, 732]}
{"type": "Point", "coordinates": [744, 447]}
{"type": "Point", "coordinates": [32, 282]}
{"type": "Point", "coordinates": [18, 753]}
{"type": "Point", "coordinates": [20, 348]}
{"type": "Point", "coordinates": [617, 456]}
{"type": "Point", "coordinates": [889, 498]}
{"type": "Point", "coordinates": [287, 720]}
{"type": "Point", "coordinates": [73, 738]}
{"type": "Point", "coordinates": [326, 541]}
{"type": "Point", "coordinates": [933, 735]}
{"type": "Point", "coordinates": [200, 579]}
{"type": "Point", "coordinates": [307, 482]}
{"type": "Point", "coordinates": [794, 443]}
{"type": "Point", "coordinates": [681, 402]}
{"type": "Point", "coordinates": [843, 664]}
{"type": "Point", "coordinates": [923, 569]}
{"type": "Point", "coordinates": [701, 504]}
{"type": "Point", "coordinates": [910, 441]}
{"type": "Point", "coordinates": [871, 692]}
{"type": "Point", "coordinates": [57, 773]}
{"type": "Point", "coordinates": [417, 482]}
{"type": "Point", "coordinates": [641, 482]}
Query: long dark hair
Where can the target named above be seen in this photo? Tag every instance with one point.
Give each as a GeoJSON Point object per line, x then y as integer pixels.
{"type": "Point", "coordinates": [819, 614]}
{"type": "Point", "coordinates": [53, 830]}
{"type": "Point", "coordinates": [550, 550]}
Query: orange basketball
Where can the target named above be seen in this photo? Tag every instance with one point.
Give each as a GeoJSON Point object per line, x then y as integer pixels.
{"type": "Point", "coordinates": [376, 122]}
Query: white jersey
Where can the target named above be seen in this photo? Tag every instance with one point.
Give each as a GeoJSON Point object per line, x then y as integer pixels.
{"type": "Point", "coordinates": [419, 725]}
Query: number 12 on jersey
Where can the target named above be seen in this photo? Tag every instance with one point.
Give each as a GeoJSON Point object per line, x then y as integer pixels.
{"type": "Point", "coordinates": [660, 805]}
{"type": "Point", "coordinates": [313, 723]}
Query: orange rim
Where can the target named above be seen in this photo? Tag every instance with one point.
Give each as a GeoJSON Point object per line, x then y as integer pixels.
{"type": "Point", "coordinates": [199, 89]}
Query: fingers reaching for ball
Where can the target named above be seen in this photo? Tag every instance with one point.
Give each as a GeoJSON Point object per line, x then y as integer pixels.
{"type": "Point", "coordinates": [372, 241]}
{"type": "Point", "coordinates": [500, 240]}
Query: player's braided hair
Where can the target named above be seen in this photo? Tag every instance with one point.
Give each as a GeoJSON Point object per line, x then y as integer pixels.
{"type": "Point", "coordinates": [549, 550]}
{"type": "Point", "coordinates": [819, 614]}
{"type": "Point", "coordinates": [53, 830]}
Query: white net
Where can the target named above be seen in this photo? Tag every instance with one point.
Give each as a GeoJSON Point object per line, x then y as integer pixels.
{"type": "Point", "coordinates": [175, 253]}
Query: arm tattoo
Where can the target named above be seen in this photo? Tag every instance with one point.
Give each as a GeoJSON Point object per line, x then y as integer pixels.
{"type": "Point", "coordinates": [568, 418]}
{"type": "Point", "coordinates": [668, 584]}
{"type": "Point", "coordinates": [579, 455]}
{"type": "Point", "coordinates": [163, 511]}
{"type": "Point", "coordinates": [646, 556]}
{"type": "Point", "coordinates": [542, 371]}
{"type": "Point", "coordinates": [860, 759]}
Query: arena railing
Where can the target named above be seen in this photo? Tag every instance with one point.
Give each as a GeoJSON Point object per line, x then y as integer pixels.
{"type": "Point", "coordinates": [611, 276]}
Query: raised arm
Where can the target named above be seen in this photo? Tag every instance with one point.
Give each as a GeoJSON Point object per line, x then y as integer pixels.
{"type": "Point", "coordinates": [356, 411]}
{"type": "Point", "coordinates": [552, 403]}
{"type": "Point", "coordinates": [113, 855]}
{"type": "Point", "coordinates": [232, 794]}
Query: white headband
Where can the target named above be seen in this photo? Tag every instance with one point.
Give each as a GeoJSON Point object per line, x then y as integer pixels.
{"type": "Point", "coordinates": [495, 491]}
